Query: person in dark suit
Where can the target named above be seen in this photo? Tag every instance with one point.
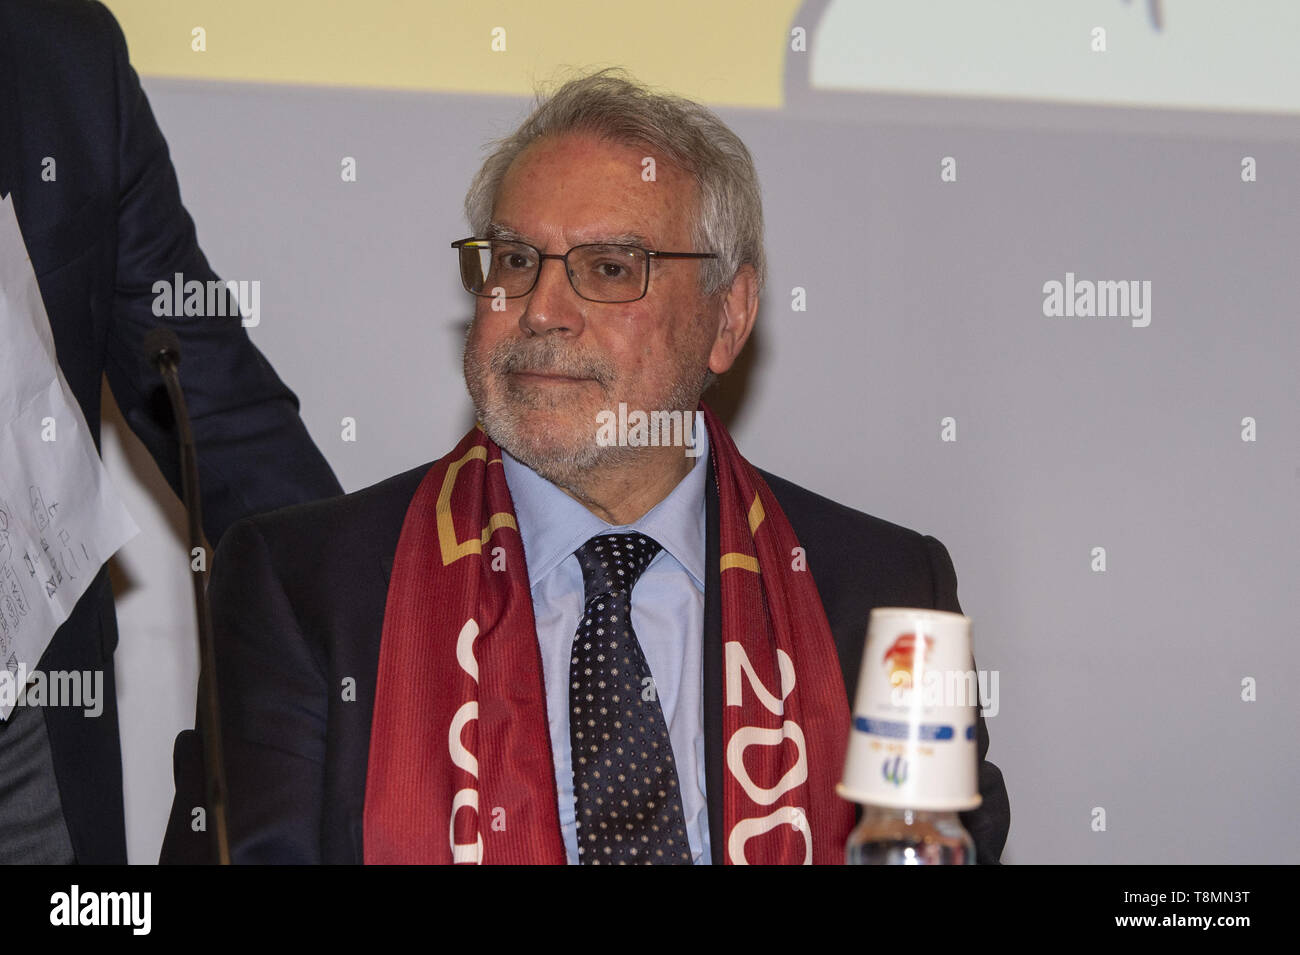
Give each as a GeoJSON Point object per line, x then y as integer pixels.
{"type": "Point", "coordinates": [397, 686]}
{"type": "Point", "coordinates": [100, 210]}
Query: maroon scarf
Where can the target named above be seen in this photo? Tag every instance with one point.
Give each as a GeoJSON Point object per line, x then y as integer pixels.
{"type": "Point", "coordinates": [460, 763]}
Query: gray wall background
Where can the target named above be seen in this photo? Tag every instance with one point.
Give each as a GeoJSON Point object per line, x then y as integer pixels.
{"type": "Point", "coordinates": [1119, 690]}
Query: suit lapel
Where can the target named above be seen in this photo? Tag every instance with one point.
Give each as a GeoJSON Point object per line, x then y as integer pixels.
{"type": "Point", "coordinates": [713, 754]}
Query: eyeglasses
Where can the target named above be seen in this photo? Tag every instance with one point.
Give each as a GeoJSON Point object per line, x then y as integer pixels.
{"type": "Point", "coordinates": [598, 272]}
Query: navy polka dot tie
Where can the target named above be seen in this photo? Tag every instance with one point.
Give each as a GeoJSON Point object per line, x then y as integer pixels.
{"type": "Point", "coordinates": [629, 807]}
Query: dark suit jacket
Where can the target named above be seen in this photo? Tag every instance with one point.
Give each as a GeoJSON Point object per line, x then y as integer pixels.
{"type": "Point", "coordinates": [107, 227]}
{"type": "Point", "coordinates": [298, 603]}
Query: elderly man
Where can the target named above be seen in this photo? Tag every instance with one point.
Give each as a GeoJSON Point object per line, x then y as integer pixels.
{"type": "Point", "coordinates": [547, 646]}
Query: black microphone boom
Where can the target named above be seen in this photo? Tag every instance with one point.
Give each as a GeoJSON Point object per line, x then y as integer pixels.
{"type": "Point", "coordinates": [163, 350]}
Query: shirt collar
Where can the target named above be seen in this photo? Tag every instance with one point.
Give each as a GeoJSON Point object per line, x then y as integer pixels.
{"type": "Point", "coordinates": [554, 525]}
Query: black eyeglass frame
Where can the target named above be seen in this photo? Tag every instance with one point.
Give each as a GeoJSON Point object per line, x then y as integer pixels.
{"type": "Point", "coordinates": [543, 256]}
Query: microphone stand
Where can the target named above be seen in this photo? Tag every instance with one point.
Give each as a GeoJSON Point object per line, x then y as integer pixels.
{"type": "Point", "coordinates": [164, 352]}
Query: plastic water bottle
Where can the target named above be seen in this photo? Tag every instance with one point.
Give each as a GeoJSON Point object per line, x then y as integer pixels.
{"type": "Point", "coordinates": [909, 837]}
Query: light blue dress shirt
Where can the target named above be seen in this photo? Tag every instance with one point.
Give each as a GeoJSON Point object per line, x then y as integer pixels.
{"type": "Point", "coordinates": [667, 615]}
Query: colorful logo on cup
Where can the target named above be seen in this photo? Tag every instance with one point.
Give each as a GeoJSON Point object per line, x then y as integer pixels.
{"type": "Point", "coordinates": [894, 770]}
{"type": "Point", "coordinates": [900, 658]}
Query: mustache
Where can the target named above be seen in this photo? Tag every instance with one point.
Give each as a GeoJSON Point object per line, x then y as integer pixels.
{"type": "Point", "coordinates": [548, 358]}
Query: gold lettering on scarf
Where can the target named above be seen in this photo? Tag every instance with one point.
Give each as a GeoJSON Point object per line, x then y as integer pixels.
{"type": "Point", "coordinates": [740, 561]}
{"type": "Point", "coordinates": [452, 549]}
{"type": "Point", "coordinates": [744, 561]}
{"type": "Point", "coordinates": [756, 514]}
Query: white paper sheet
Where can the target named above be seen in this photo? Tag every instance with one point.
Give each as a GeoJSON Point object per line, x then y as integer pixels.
{"type": "Point", "coordinates": [60, 518]}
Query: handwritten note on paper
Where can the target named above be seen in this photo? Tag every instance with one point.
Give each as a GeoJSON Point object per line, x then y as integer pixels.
{"type": "Point", "coordinates": [60, 518]}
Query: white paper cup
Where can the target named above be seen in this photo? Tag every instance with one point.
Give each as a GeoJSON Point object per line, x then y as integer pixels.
{"type": "Point", "coordinates": [912, 744]}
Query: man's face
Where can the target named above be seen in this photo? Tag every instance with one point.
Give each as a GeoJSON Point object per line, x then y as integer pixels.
{"type": "Point", "coordinates": [540, 371]}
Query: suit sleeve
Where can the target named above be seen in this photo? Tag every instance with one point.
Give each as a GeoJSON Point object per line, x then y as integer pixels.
{"type": "Point", "coordinates": [274, 707]}
{"type": "Point", "coordinates": [989, 824]}
{"type": "Point", "coordinates": [254, 451]}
